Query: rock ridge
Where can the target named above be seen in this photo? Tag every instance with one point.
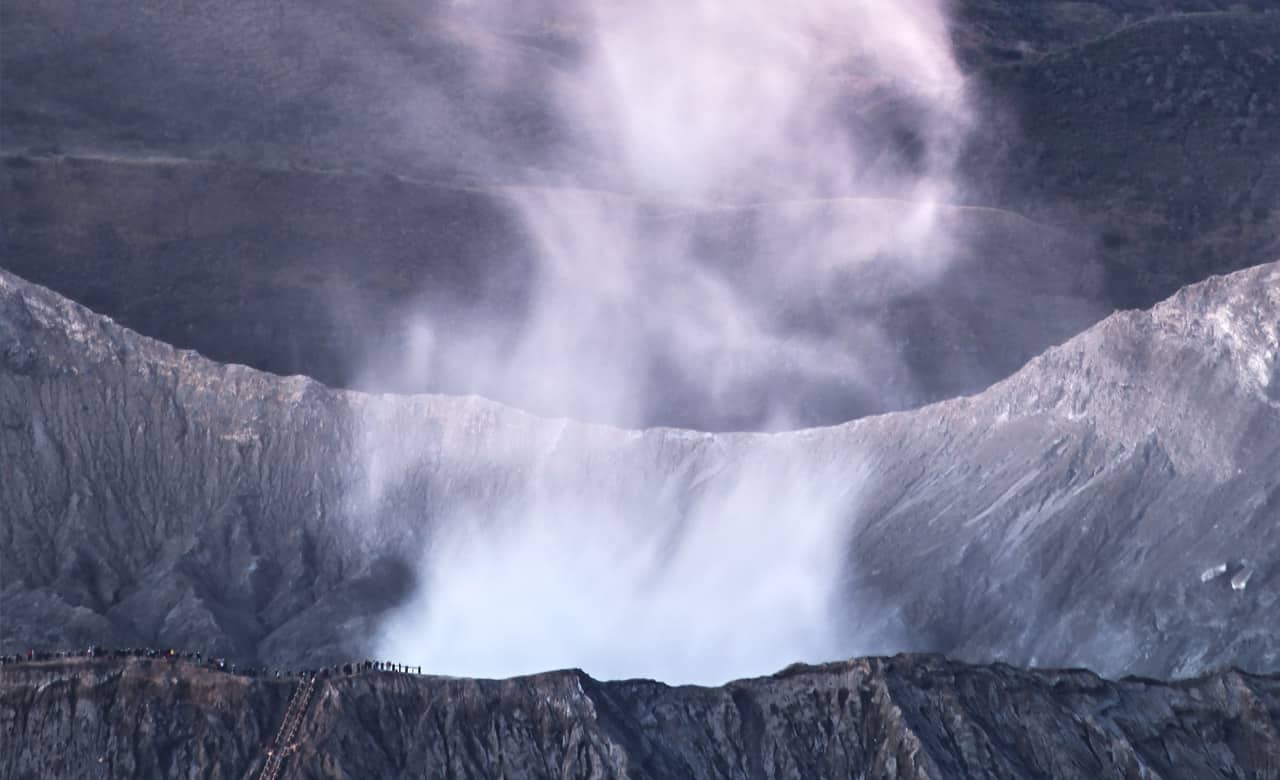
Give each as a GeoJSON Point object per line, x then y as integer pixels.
{"type": "Point", "coordinates": [1064, 516]}
{"type": "Point", "coordinates": [905, 716]}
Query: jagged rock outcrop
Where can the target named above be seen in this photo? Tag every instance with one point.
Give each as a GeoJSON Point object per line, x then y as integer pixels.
{"type": "Point", "coordinates": [1064, 517]}
{"type": "Point", "coordinates": [907, 716]}
{"type": "Point", "coordinates": [135, 719]}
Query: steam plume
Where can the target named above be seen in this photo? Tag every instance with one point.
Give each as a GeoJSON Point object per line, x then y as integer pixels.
{"type": "Point", "coordinates": [754, 157]}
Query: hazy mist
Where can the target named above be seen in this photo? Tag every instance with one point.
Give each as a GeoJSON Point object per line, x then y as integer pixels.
{"type": "Point", "coordinates": [751, 167]}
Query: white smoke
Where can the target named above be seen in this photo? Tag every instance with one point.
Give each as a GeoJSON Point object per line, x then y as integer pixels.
{"type": "Point", "coordinates": [750, 181]}
{"type": "Point", "coordinates": [742, 101]}
{"type": "Point", "coordinates": [743, 578]}
{"type": "Point", "coordinates": [752, 175]}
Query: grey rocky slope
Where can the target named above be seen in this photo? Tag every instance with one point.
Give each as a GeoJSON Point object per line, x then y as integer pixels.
{"type": "Point", "coordinates": [906, 716]}
{"type": "Point", "coordinates": [1063, 517]}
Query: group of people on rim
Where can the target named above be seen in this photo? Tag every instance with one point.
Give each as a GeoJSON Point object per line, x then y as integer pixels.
{"type": "Point", "coordinates": [220, 664]}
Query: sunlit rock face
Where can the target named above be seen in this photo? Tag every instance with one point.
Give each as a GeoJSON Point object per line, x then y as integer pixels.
{"type": "Point", "coordinates": [1063, 517]}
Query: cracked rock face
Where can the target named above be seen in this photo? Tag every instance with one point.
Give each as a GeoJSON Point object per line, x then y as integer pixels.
{"type": "Point", "coordinates": [1063, 517]}
{"type": "Point", "coordinates": [907, 716]}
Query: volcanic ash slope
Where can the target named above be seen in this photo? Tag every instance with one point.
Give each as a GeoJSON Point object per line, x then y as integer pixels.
{"type": "Point", "coordinates": [1077, 513]}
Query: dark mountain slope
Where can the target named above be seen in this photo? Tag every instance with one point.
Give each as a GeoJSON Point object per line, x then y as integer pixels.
{"type": "Point", "coordinates": [1063, 517]}
{"type": "Point", "coordinates": [318, 273]}
{"type": "Point", "coordinates": [877, 718]}
{"type": "Point", "coordinates": [332, 85]}
{"type": "Point", "coordinates": [255, 265]}
{"type": "Point", "coordinates": [994, 31]}
{"type": "Point", "coordinates": [276, 185]}
{"type": "Point", "coordinates": [1164, 138]}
